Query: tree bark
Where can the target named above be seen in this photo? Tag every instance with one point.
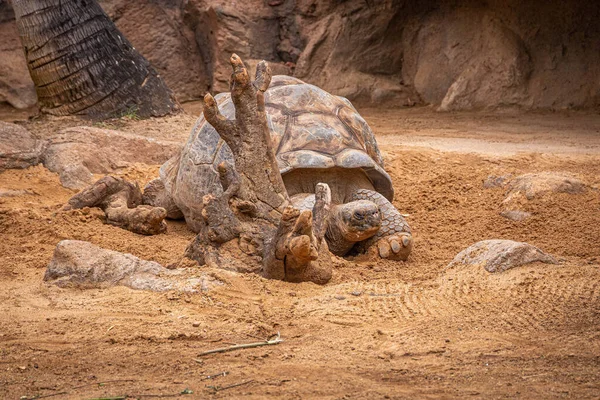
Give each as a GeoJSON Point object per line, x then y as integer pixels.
{"type": "Point", "coordinates": [249, 138]}
{"type": "Point", "coordinates": [81, 63]}
{"type": "Point", "coordinates": [253, 212]}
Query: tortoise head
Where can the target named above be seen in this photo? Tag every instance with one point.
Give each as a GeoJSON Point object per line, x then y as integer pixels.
{"type": "Point", "coordinates": [358, 220]}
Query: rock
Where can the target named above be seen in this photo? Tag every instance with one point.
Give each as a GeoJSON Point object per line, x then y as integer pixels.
{"type": "Point", "coordinates": [276, 68]}
{"type": "Point", "coordinates": [158, 30]}
{"type": "Point", "coordinates": [529, 186]}
{"type": "Point", "coordinates": [251, 29]}
{"type": "Point", "coordinates": [15, 193]}
{"type": "Point", "coordinates": [500, 255]}
{"type": "Point", "coordinates": [18, 147]}
{"type": "Point", "coordinates": [81, 264]}
{"type": "Point", "coordinates": [465, 59]}
{"type": "Point", "coordinates": [358, 57]}
{"type": "Point", "coordinates": [16, 86]}
{"type": "Point", "coordinates": [538, 184]}
{"type": "Point", "coordinates": [515, 215]}
{"type": "Point", "coordinates": [497, 78]}
{"type": "Point", "coordinates": [77, 153]}
{"type": "Point", "coordinates": [502, 53]}
{"type": "Point", "coordinates": [494, 181]}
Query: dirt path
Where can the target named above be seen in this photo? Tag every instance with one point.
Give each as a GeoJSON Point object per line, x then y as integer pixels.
{"type": "Point", "coordinates": [378, 330]}
{"type": "Point", "coordinates": [488, 134]}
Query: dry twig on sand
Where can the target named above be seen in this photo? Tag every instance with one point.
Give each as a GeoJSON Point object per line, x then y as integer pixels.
{"type": "Point", "coordinates": [220, 388]}
{"type": "Point", "coordinates": [207, 377]}
{"type": "Point", "coordinates": [275, 340]}
{"type": "Point", "coordinates": [41, 397]}
{"type": "Point", "coordinates": [77, 387]}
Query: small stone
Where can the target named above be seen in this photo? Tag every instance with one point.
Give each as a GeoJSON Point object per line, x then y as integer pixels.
{"type": "Point", "coordinates": [500, 255]}
{"type": "Point", "coordinates": [494, 181]}
{"type": "Point", "coordinates": [340, 297]}
{"type": "Point", "coordinates": [539, 184]}
{"type": "Point", "coordinates": [515, 215]}
{"type": "Point", "coordinates": [356, 293]}
{"type": "Point", "coordinates": [15, 193]}
{"type": "Point", "coordinates": [195, 324]}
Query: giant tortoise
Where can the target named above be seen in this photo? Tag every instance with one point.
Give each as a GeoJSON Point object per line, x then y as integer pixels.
{"type": "Point", "coordinates": [317, 137]}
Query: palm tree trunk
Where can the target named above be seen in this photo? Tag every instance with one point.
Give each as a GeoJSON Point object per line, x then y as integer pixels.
{"type": "Point", "coordinates": [81, 63]}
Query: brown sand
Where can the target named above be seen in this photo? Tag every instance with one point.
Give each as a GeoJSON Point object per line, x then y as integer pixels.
{"type": "Point", "coordinates": [378, 330]}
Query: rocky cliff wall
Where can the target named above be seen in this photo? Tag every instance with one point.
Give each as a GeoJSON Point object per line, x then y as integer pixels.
{"type": "Point", "coordinates": [455, 55]}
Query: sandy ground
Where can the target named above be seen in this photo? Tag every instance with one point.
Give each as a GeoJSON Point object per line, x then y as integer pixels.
{"type": "Point", "coordinates": [377, 330]}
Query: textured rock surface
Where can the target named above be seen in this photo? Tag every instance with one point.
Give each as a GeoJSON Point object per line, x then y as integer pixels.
{"type": "Point", "coordinates": [523, 188]}
{"type": "Point", "coordinates": [500, 255]}
{"type": "Point", "coordinates": [475, 56]}
{"type": "Point", "coordinates": [538, 184]}
{"type": "Point", "coordinates": [16, 86]}
{"type": "Point", "coordinates": [458, 55]}
{"type": "Point", "coordinates": [515, 215]}
{"type": "Point", "coordinates": [18, 147]}
{"type": "Point", "coordinates": [355, 49]}
{"type": "Point", "coordinates": [494, 181]}
{"type": "Point", "coordinates": [15, 193]}
{"type": "Point", "coordinates": [158, 31]}
{"type": "Point", "coordinates": [81, 264]}
{"type": "Point", "coordinates": [486, 62]}
{"type": "Point", "coordinates": [77, 153]}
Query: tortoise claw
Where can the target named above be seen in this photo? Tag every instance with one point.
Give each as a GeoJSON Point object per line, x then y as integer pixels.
{"type": "Point", "coordinates": [395, 247]}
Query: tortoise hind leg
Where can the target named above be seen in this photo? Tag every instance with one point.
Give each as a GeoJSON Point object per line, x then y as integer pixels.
{"type": "Point", "coordinates": [120, 200]}
{"type": "Point", "coordinates": [393, 240]}
{"type": "Point", "coordinates": [156, 195]}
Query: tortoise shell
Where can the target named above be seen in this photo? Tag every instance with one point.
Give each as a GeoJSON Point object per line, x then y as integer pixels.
{"type": "Point", "coordinates": [310, 128]}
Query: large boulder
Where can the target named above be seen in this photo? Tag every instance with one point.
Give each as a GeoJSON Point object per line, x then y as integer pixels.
{"type": "Point", "coordinates": [354, 49]}
{"type": "Point", "coordinates": [500, 255]}
{"type": "Point", "coordinates": [81, 264]}
{"type": "Point", "coordinates": [77, 153]}
{"type": "Point", "coordinates": [465, 59]}
{"type": "Point", "coordinates": [453, 55]}
{"type": "Point", "coordinates": [158, 30]}
{"type": "Point", "coordinates": [189, 42]}
{"type": "Point", "coordinates": [18, 147]}
{"type": "Point", "coordinates": [16, 86]}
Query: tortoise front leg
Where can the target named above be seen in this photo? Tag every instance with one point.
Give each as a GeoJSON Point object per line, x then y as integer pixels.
{"type": "Point", "coordinates": [393, 240]}
{"type": "Point", "coordinates": [156, 195]}
{"type": "Point", "coordinates": [298, 252]}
